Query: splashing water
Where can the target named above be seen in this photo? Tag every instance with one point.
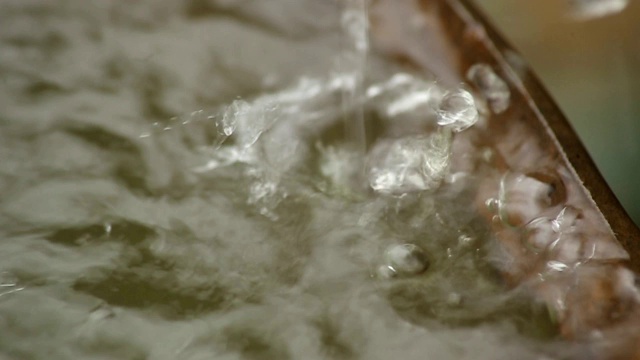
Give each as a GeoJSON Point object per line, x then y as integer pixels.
{"type": "Point", "coordinates": [353, 64]}
{"type": "Point", "coordinates": [242, 230]}
{"type": "Point", "coordinates": [409, 164]}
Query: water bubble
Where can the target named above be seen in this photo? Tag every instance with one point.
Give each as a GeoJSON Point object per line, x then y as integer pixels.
{"type": "Point", "coordinates": [491, 86]}
{"type": "Point", "coordinates": [406, 259]}
{"type": "Point", "coordinates": [408, 164]}
{"type": "Point", "coordinates": [457, 110]}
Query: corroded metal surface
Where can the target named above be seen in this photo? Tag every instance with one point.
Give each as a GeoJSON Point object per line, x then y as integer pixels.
{"type": "Point", "coordinates": [484, 43]}
{"type": "Point", "coordinates": [585, 281]}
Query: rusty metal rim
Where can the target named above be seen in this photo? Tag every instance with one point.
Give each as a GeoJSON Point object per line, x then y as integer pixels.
{"type": "Point", "coordinates": [560, 130]}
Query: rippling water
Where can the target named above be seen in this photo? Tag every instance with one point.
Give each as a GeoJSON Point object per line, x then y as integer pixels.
{"type": "Point", "coordinates": [133, 225]}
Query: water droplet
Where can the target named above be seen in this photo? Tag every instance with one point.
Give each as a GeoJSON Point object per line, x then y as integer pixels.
{"type": "Point", "coordinates": [457, 110]}
{"type": "Point", "coordinates": [491, 86]}
{"type": "Point", "coordinates": [406, 259]}
{"type": "Point", "coordinates": [409, 164]}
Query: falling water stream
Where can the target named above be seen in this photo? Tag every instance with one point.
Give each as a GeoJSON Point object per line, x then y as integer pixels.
{"type": "Point", "coordinates": [242, 180]}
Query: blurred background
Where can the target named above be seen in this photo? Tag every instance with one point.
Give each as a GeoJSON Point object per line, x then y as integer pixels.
{"type": "Point", "coordinates": [591, 66]}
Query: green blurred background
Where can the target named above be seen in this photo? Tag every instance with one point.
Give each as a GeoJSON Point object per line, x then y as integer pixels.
{"type": "Point", "coordinates": [592, 69]}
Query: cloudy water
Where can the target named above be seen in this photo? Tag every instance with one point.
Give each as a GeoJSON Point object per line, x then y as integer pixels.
{"type": "Point", "coordinates": [177, 182]}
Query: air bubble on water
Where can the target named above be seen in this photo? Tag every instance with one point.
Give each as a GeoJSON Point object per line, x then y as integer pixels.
{"type": "Point", "coordinates": [590, 9]}
{"type": "Point", "coordinates": [414, 163]}
{"type": "Point", "coordinates": [406, 259]}
{"type": "Point", "coordinates": [491, 86]}
{"type": "Point", "coordinates": [457, 110]}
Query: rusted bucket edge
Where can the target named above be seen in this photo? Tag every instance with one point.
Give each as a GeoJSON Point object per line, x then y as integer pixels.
{"type": "Point", "coordinates": [560, 131]}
